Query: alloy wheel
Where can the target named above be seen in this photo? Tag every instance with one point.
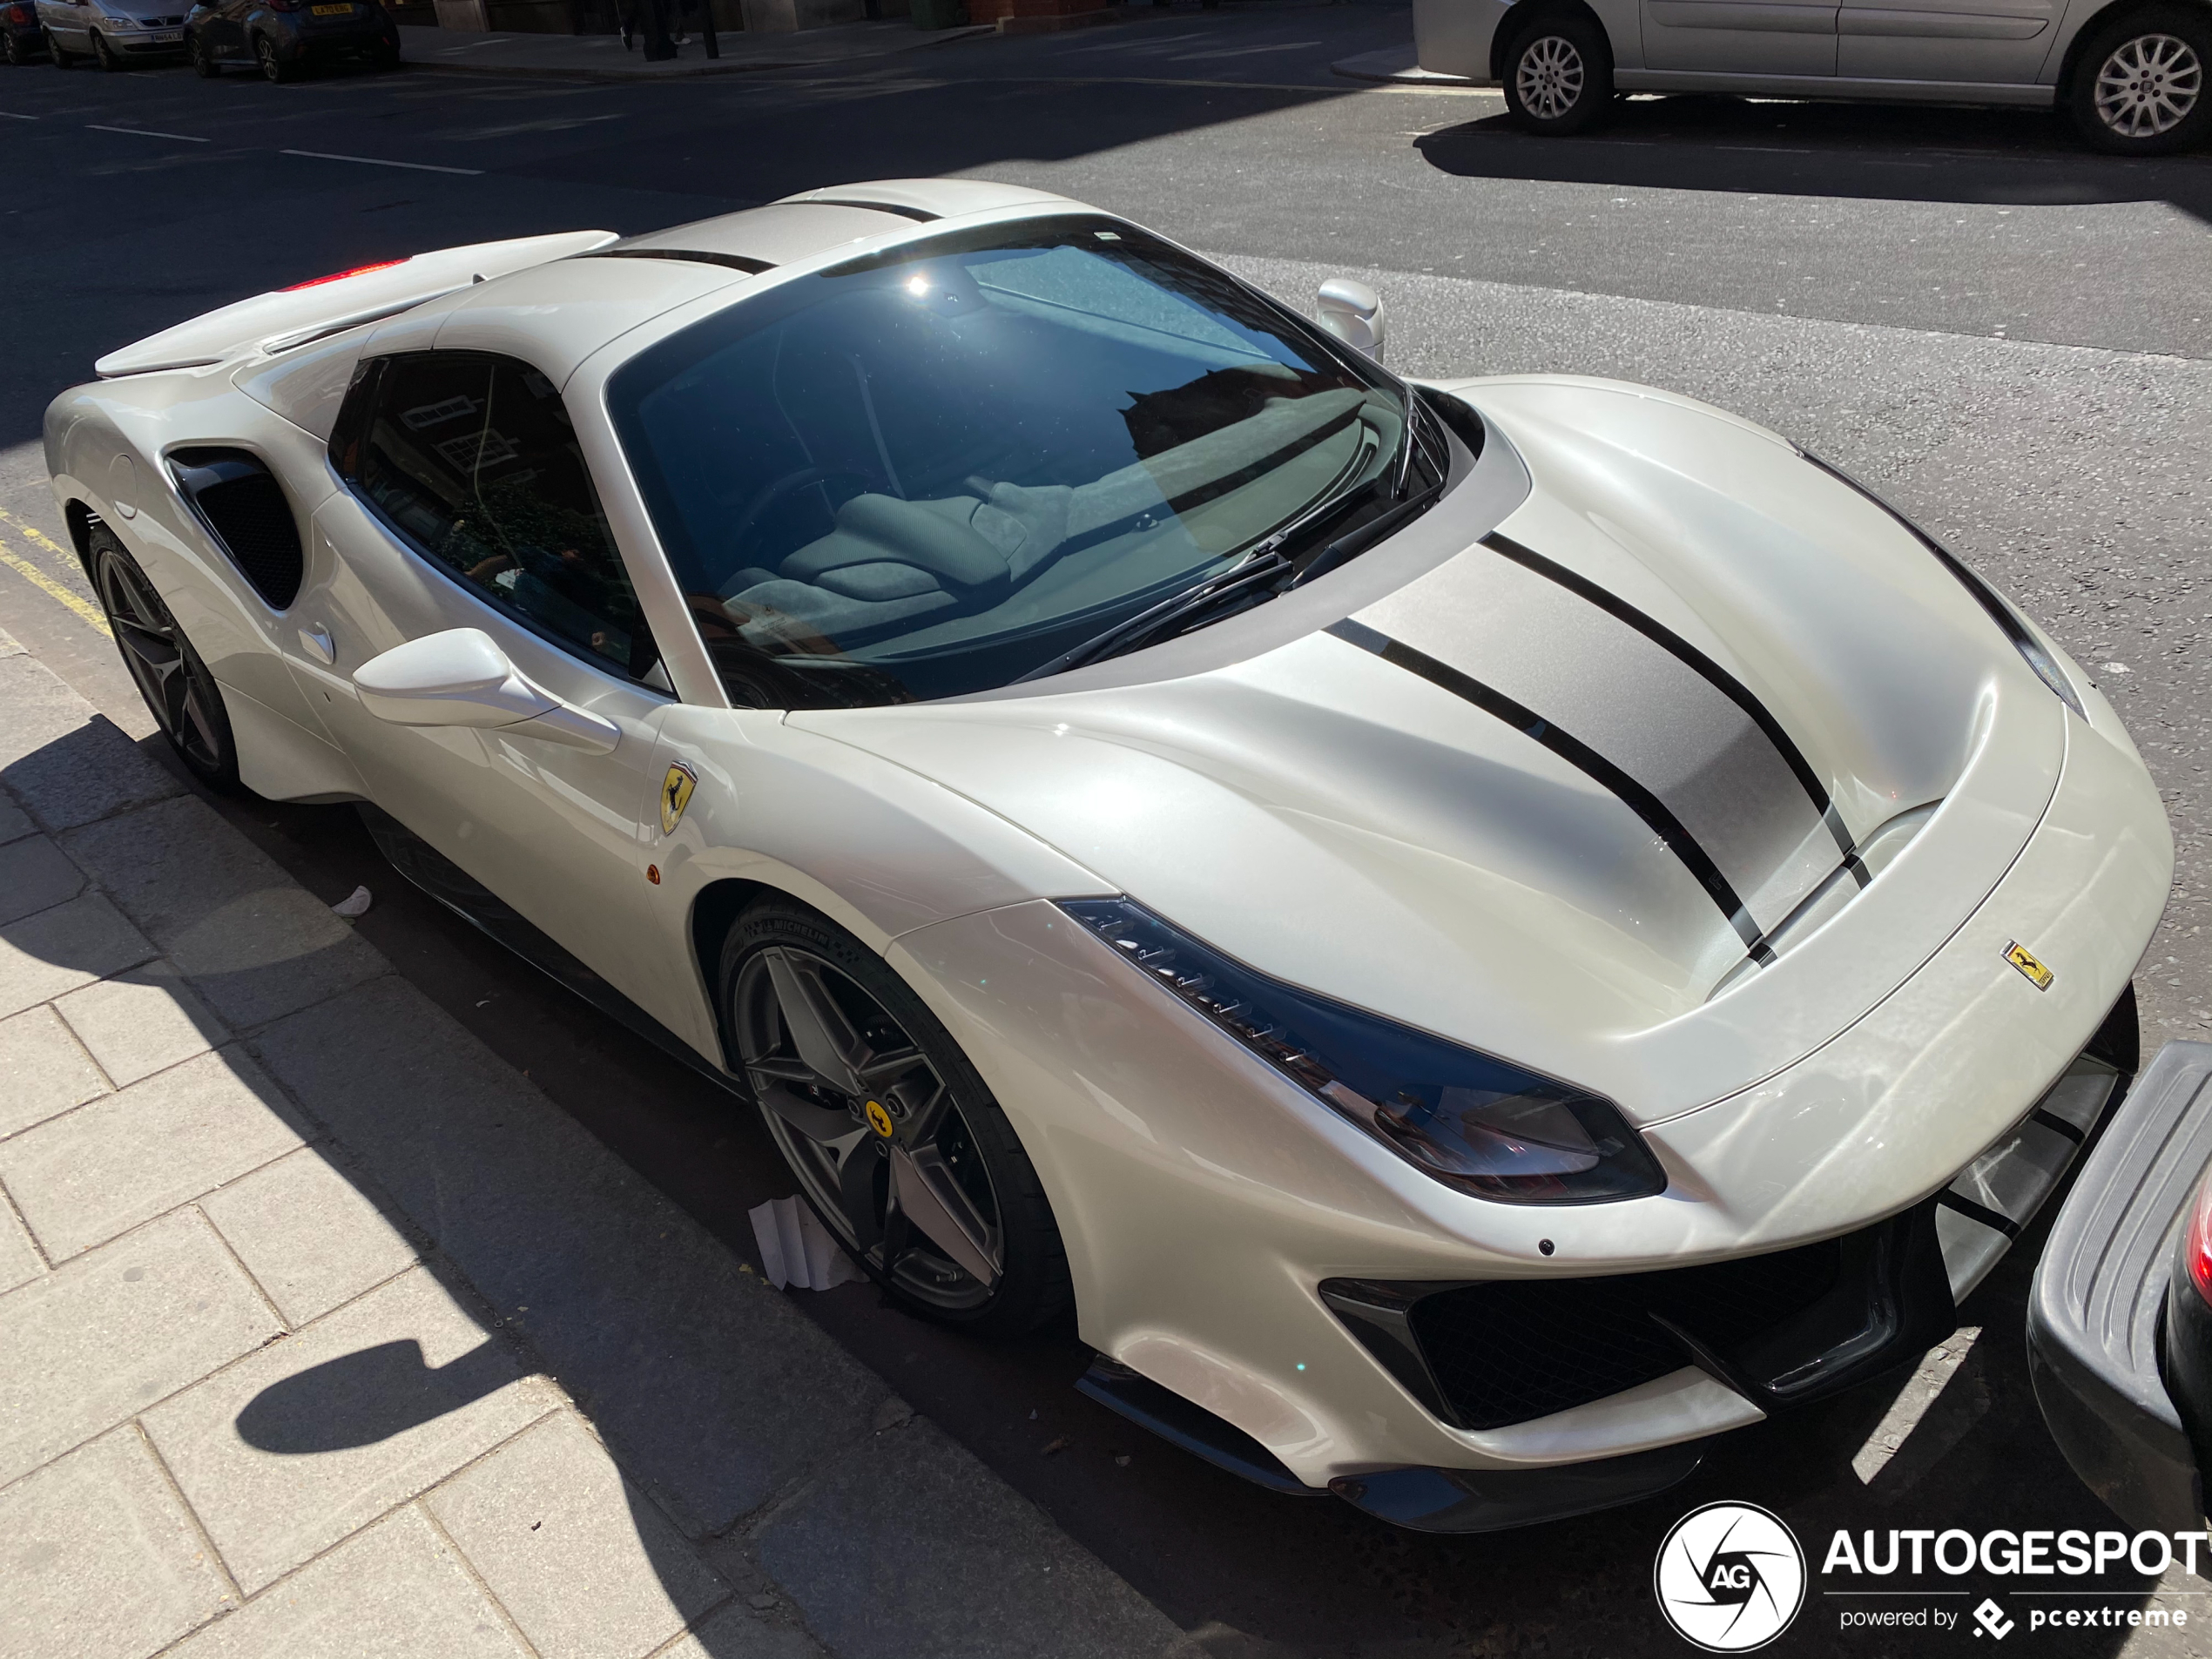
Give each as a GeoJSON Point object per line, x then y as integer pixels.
{"type": "Point", "coordinates": [2148, 85]}
{"type": "Point", "coordinates": [866, 1122]}
{"type": "Point", "coordinates": [1550, 76]}
{"type": "Point", "coordinates": [11, 49]}
{"type": "Point", "coordinates": [175, 684]}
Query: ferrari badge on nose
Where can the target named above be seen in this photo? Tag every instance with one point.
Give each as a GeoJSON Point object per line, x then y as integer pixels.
{"type": "Point", "coordinates": [2023, 959]}
{"type": "Point", "coordinates": [676, 795]}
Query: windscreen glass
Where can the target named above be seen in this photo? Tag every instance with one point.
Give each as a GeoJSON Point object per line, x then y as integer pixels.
{"type": "Point", "coordinates": [934, 471]}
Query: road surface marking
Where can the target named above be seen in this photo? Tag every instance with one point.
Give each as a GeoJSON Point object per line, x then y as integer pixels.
{"type": "Point", "coordinates": [33, 533]}
{"type": "Point", "coordinates": [377, 161]}
{"type": "Point", "coordinates": [46, 584]}
{"type": "Point", "coordinates": [141, 133]}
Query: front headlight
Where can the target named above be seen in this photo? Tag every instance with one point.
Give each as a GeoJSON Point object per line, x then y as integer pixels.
{"type": "Point", "coordinates": [1476, 1124]}
{"type": "Point", "coordinates": [2007, 620]}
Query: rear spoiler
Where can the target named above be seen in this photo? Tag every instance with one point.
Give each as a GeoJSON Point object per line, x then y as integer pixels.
{"type": "Point", "coordinates": [290, 317]}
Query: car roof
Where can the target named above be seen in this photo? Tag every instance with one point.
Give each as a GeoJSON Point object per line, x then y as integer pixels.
{"type": "Point", "coordinates": [557, 314]}
{"type": "Point", "coordinates": [798, 227]}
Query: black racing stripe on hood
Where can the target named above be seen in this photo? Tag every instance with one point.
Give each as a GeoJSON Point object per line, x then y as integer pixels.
{"type": "Point", "coordinates": [1721, 681]}
{"type": "Point", "coordinates": [1638, 799]}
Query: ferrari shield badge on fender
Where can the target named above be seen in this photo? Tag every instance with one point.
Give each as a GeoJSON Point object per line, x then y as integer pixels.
{"type": "Point", "coordinates": [2023, 959]}
{"type": "Point", "coordinates": [676, 795]}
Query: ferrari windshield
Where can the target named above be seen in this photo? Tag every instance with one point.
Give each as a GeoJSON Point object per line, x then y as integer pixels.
{"type": "Point", "coordinates": [941, 468]}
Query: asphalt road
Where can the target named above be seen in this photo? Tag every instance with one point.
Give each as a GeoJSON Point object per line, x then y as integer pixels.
{"type": "Point", "coordinates": [2007, 335]}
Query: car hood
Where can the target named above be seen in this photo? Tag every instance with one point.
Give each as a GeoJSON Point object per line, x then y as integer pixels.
{"type": "Point", "coordinates": [1654, 784]}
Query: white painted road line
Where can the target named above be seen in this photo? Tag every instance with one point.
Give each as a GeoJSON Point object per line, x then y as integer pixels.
{"type": "Point", "coordinates": [375, 161]}
{"type": "Point", "coordinates": [12, 115]}
{"type": "Point", "coordinates": [141, 133]}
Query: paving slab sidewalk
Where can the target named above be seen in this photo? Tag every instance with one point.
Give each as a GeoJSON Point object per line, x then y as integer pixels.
{"type": "Point", "coordinates": [323, 1333]}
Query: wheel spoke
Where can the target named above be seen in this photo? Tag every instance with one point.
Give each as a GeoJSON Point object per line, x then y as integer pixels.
{"type": "Point", "coordinates": [880, 1071]}
{"type": "Point", "coordinates": [856, 1181]}
{"type": "Point", "coordinates": [823, 1124]}
{"type": "Point", "coordinates": [925, 1105]}
{"type": "Point", "coordinates": [926, 1193]}
{"type": "Point", "coordinates": [819, 1028]}
{"type": "Point", "coordinates": [780, 1067]}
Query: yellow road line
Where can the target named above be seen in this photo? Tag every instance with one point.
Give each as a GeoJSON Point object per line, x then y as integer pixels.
{"type": "Point", "coordinates": [33, 533]}
{"type": "Point", "coordinates": [39, 579]}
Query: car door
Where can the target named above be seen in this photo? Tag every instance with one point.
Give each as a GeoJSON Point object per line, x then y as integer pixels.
{"type": "Point", "coordinates": [223, 28]}
{"type": "Point", "coordinates": [1739, 36]}
{"type": "Point", "coordinates": [468, 504]}
{"type": "Point", "coordinates": [69, 22]}
{"type": "Point", "coordinates": [2002, 41]}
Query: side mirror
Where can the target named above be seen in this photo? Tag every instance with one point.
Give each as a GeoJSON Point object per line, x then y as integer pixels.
{"type": "Point", "coordinates": [1354, 313]}
{"type": "Point", "coordinates": [460, 678]}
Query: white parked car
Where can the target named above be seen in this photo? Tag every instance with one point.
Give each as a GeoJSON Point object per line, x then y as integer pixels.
{"type": "Point", "coordinates": [2128, 73]}
{"type": "Point", "coordinates": [1475, 935]}
{"type": "Point", "coordinates": [113, 33]}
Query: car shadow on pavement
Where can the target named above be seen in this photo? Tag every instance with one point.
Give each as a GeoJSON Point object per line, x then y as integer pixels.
{"type": "Point", "coordinates": [1890, 152]}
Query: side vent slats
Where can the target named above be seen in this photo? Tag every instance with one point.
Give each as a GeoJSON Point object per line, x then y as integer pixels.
{"type": "Point", "coordinates": [245, 510]}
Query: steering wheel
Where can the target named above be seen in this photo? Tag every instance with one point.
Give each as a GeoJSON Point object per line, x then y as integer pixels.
{"type": "Point", "coordinates": [783, 486]}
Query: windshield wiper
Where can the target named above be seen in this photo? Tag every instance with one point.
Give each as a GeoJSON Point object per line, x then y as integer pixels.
{"type": "Point", "coordinates": [1262, 565]}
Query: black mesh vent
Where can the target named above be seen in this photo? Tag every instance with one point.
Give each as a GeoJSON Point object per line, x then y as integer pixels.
{"type": "Point", "coordinates": [246, 507]}
{"type": "Point", "coordinates": [1510, 1349]}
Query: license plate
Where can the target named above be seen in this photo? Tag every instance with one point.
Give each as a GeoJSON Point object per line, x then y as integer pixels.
{"type": "Point", "coordinates": [173, 34]}
{"type": "Point", "coordinates": [330, 11]}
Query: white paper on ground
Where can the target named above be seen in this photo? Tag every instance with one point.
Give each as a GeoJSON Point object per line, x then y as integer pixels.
{"type": "Point", "coordinates": [796, 1249]}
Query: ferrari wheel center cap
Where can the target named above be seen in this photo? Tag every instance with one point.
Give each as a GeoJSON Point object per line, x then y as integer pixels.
{"type": "Point", "coordinates": [880, 1119]}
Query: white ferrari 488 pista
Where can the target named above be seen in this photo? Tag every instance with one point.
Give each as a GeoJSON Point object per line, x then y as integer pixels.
{"type": "Point", "coordinates": [1474, 935]}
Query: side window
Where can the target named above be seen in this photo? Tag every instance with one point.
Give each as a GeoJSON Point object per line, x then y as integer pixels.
{"type": "Point", "coordinates": [472, 458]}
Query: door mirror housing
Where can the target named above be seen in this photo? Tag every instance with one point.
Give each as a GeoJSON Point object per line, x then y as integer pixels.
{"type": "Point", "coordinates": [1354, 313]}
{"type": "Point", "coordinates": [462, 678]}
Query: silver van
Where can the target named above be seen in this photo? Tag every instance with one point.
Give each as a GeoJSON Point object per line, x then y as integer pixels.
{"type": "Point", "coordinates": [2130, 73]}
{"type": "Point", "coordinates": [111, 33]}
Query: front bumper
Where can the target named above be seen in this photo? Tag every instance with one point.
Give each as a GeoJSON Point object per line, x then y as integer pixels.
{"type": "Point", "coordinates": [156, 43]}
{"type": "Point", "coordinates": [2093, 1315]}
{"type": "Point", "coordinates": [1204, 1199]}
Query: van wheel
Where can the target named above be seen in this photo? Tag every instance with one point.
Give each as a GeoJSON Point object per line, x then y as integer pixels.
{"type": "Point", "coordinates": [1558, 76]}
{"type": "Point", "coordinates": [2138, 87]}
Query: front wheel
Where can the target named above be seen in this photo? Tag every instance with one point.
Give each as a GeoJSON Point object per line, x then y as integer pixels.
{"type": "Point", "coordinates": [181, 693]}
{"type": "Point", "coordinates": [274, 70]}
{"type": "Point", "coordinates": [1558, 76]}
{"type": "Point", "coordinates": [2138, 87]}
{"type": "Point", "coordinates": [104, 54]}
{"type": "Point", "coordinates": [203, 62]}
{"type": "Point", "coordinates": [893, 1137]}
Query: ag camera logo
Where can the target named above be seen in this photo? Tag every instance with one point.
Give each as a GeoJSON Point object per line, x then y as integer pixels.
{"type": "Point", "coordinates": [1730, 1577]}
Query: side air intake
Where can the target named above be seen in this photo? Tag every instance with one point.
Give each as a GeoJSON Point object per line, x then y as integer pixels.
{"type": "Point", "coordinates": [244, 508]}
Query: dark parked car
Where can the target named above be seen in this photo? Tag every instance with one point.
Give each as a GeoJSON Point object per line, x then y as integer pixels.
{"type": "Point", "coordinates": [2120, 1323]}
{"type": "Point", "coordinates": [21, 38]}
{"type": "Point", "coordinates": [283, 38]}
